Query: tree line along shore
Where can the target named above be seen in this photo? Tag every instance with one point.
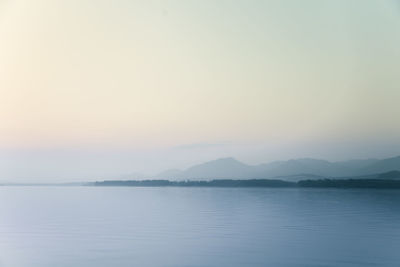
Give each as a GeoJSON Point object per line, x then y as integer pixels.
{"type": "Point", "coordinates": [322, 183]}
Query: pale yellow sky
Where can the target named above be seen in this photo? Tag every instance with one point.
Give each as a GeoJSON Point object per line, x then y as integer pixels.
{"type": "Point", "coordinates": [159, 74]}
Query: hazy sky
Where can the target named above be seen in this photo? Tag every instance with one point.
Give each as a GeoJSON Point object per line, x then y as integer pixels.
{"type": "Point", "coordinates": [91, 88]}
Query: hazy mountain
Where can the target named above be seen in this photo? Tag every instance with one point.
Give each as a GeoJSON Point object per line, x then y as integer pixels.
{"type": "Point", "coordinates": [384, 165]}
{"type": "Point", "coordinates": [296, 169]}
{"type": "Point", "coordinates": [220, 168]}
{"type": "Point", "coordinates": [390, 175]}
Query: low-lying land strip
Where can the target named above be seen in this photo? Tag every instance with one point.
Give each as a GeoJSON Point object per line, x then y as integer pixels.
{"type": "Point", "coordinates": [323, 183]}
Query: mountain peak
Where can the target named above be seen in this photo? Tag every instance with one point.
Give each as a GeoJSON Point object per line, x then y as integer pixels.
{"type": "Point", "coordinates": [220, 168]}
{"type": "Point", "coordinates": [231, 168]}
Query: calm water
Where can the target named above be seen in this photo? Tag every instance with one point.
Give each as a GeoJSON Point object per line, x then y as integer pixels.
{"type": "Point", "coordinates": [117, 226]}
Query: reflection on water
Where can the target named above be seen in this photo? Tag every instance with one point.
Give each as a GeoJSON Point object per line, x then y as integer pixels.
{"type": "Point", "coordinates": [117, 226]}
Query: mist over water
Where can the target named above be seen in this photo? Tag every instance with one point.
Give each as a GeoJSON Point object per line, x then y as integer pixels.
{"type": "Point", "coordinates": [127, 226]}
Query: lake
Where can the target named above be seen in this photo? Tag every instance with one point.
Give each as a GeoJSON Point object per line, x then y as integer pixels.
{"type": "Point", "coordinates": [167, 226]}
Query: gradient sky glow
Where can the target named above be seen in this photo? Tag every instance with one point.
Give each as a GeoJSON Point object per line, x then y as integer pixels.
{"type": "Point", "coordinates": [94, 87]}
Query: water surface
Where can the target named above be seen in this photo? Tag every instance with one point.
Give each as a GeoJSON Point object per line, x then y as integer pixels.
{"type": "Point", "coordinates": [131, 226]}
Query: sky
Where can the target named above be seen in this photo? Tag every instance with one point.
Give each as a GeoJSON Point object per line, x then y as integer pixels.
{"type": "Point", "coordinates": [96, 88]}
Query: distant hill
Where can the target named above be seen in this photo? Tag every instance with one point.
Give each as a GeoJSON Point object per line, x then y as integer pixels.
{"type": "Point", "coordinates": [394, 175]}
{"type": "Point", "coordinates": [220, 169]}
{"type": "Point", "coordinates": [291, 170]}
{"type": "Point", "coordinates": [383, 165]}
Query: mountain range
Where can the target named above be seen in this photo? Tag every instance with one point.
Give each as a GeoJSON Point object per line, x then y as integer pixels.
{"type": "Point", "coordinates": [293, 170]}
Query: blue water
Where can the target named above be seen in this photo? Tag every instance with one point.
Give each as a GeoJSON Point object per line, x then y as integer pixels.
{"type": "Point", "coordinates": [122, 226]}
